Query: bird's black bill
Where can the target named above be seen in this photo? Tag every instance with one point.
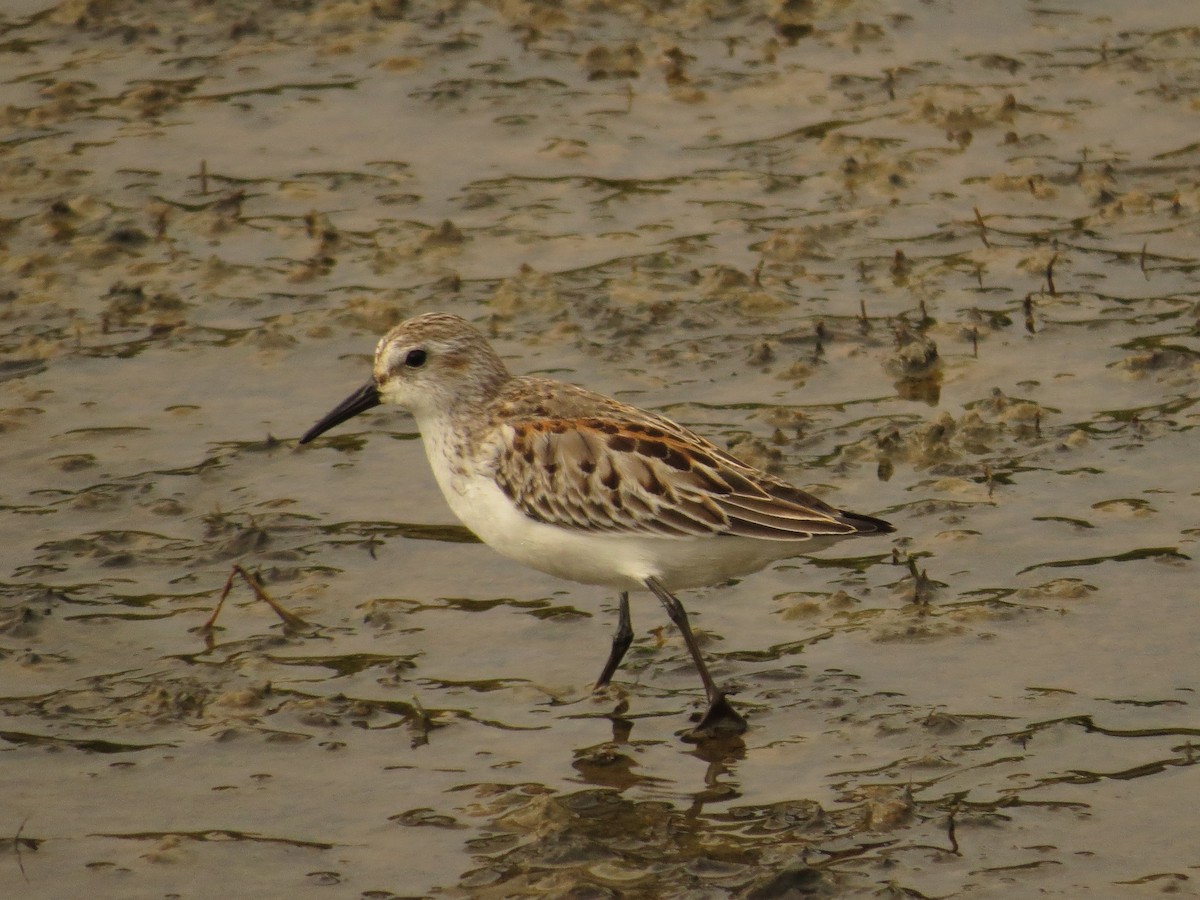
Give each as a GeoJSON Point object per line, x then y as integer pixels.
{"type": "Point", "coordinates": [366, 397]}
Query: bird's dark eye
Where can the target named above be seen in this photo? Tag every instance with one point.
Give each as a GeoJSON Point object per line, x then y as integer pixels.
{"type": "Point", "coordinates": [415, 359]}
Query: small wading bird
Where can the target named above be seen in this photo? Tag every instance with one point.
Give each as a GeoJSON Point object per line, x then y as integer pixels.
{"type": "Point", "coordinates": [584, 487]}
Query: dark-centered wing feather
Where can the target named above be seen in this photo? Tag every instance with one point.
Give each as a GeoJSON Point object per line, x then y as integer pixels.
{"type": "Point", "coordinates": [635, 473]}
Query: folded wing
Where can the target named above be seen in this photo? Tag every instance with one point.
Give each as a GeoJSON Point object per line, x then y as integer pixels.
{"type": "Point", "coordinates": [651, 477]}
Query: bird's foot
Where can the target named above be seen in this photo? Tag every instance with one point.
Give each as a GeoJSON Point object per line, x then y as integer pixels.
{"type": "Point", "coordinates": [609, 692]}
{"type": "Point", "coordinates": [719, 720]}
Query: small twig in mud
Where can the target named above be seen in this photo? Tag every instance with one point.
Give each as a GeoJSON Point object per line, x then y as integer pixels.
{"type": "Point", "coordinates": [422, 725]}
{"type": "Point", "coordinates": [290, 619]}
{"type": "Point", "coordinates": [18, 843]}
{"type": "Point", "coordinates": [952, 830]}
{"type": "Point", "coordinates": [982, 228]}
{"type": "Point", "coordinates": [920, 583]}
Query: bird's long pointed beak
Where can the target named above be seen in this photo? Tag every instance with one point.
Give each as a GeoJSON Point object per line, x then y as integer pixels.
{"type": "Point", "coordinates": [366, 397]}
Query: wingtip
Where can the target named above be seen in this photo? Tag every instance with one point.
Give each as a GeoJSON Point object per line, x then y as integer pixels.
{"type": "Point", "coordinates": [867, 524]}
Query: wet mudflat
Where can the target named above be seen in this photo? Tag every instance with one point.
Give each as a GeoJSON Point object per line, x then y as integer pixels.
{"type": "Point", "coordinates": [936, 261]}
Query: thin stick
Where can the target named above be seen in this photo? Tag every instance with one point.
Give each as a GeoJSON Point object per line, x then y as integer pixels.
{"type": "Point", "coordinates": [982, 228]}
{"type": "Point", "coordinates": [17, 848]}
{"type": "Point", "coordinates": [207, 627]}
{"type": "Point", "coordinates": [289, 619]}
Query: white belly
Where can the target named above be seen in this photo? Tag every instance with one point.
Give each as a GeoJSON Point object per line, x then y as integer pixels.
{"type": "Point", "coordinates": [618, 561]}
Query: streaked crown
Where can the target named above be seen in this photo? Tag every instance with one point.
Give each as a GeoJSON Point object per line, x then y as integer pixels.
{"type": "Point", "coordinates": [436, 361]}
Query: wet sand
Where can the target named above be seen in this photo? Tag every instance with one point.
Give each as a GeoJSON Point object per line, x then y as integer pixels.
{"type": "Point", "coordinates": [934, 261]}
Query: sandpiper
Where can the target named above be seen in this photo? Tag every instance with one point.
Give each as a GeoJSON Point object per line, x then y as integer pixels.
{"type": "Point", "coordinates": [587, 488]}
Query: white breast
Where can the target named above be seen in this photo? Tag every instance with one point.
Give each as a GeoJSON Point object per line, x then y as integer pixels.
{"type": "Point", "coordinates": [619, 561]}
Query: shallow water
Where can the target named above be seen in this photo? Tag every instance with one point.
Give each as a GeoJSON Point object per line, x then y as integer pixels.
{"type": "Point", "coordinates": [760, 220]}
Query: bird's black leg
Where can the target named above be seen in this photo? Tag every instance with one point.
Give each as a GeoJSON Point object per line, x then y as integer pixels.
{"type": "Point", "coordinates": [720, 715]}
{"type": "Point", "coordinates": [622, 638]}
